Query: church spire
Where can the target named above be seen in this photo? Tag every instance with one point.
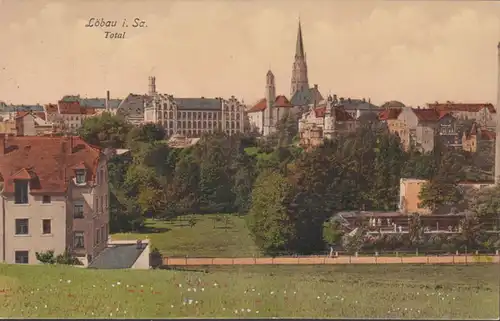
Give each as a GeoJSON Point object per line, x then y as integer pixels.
{"type": "Point", "coordinates": [299, 70]}
{"type": "Point", "coordinates": [299, 48]}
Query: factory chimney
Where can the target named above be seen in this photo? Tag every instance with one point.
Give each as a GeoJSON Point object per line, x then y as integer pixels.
{"type": "Point", "coordinates": [107, 100]}
{"type": "Point", "coordinates": [497, 127]}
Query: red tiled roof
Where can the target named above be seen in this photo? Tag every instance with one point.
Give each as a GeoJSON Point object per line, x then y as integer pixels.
{"type": "Point", "coordinates": [389, 114]}
{"type": "Point", "coordinates": [261, 105]}
{"type": "Point", "coordinates": [473, 108]}
{"type": "Point", "coordinates": [425, 114]}
{"type": "Point", "coordinates": [21, 114]}
{"type": "Point", "coordinates": [40, 114]}
{"type": "Point", "coordinates": [74, 108]}
{"type": "Point", "coordinates": [487, 134]}
{"type": "Point", "coordinates": [48, 162]}
{"type": "Point", "coordinates": [340, 113]}
{"type": "Point", "coordinates": [282, 101]}
{"type": "Point", "coordinates": [51, 108]}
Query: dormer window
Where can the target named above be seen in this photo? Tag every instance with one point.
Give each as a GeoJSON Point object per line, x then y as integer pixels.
{"type": "Point", "coordinates": [21, 192]}
{"type": "Point", "coordinates": [80, 176]}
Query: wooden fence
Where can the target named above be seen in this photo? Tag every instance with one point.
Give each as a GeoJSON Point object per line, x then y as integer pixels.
{"type": "Point", "coordinates": [449, 259]}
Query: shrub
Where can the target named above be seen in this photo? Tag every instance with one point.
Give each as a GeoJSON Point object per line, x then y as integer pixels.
{"type": "Point", "coordinates": [48, 257]}
{"type": "Point", "coordinates": [155, 258]}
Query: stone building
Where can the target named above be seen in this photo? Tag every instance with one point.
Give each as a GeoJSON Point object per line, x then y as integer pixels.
{"type": "Point", "coordinates": [330, 116]}
{"type": "Point", "coordinates": [193, 116]}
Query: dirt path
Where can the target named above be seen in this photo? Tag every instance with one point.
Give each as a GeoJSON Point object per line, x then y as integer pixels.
{"type": "Point", "coordinates": [338, 260]}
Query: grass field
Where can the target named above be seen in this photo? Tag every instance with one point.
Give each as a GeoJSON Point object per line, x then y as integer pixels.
{"type": "Point", "coordinates": [363, 291]}
{"type": "Point", "coordinates": [208, 238]}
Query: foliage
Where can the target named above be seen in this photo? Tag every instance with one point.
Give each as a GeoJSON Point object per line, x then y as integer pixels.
{"type": "Point", "coordinates": [106, 130]}
{"type": "Point", "coordinates": [49, 257]}
{"type": "Point", "coordinates": [268, 218]}
{"type": "Point", "coordinates": [332, 232]}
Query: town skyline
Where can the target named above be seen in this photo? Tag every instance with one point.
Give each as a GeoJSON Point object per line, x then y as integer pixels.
{"type": "Point", "coordinates": [354, 53]}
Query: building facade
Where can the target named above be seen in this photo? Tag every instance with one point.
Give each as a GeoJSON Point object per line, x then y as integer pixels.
{"type": "Point", "coordinates": [330, 116]}
{"type": "Point", "coordinates": [192, 117]}
{"type": "Point", "coordinates": [54, 197]}
{"type": "Point", "coordinates": [267, 112]}
{"type": "Point", "coordinates": [482, 113]}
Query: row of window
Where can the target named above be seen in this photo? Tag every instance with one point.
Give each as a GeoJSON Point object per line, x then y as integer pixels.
{"type": "Point", "coordinates": [200, 125]}
{"type": "Point", "coordinates": [22, 226]}
{"type": "Point", "coordinates": [22, 257]}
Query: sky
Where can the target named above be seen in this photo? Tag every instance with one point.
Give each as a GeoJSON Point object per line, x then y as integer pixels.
{"type": "Point", "coordinates": [415, 52]}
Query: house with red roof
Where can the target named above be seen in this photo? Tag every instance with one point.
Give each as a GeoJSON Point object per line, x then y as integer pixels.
{"type": "Point", "coordinates": [418, 127]}
{"type": "Point", "coordinates": [68, 115]}
{"type": "Point", "coordinates": [54, 197]}
{"type": "Point", "coordinates": [473, 139]}
{"type": "Point", "coordinates": [481, 113]}
{"type": "Point", "coordinates": [332, 118]}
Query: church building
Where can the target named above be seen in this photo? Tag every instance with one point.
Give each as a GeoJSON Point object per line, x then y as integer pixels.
{"type": "Point", "coordinates": [266, 113]}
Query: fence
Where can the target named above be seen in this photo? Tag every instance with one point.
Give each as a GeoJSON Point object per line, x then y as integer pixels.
{"type": "Point", "coordinates": [343, 259]}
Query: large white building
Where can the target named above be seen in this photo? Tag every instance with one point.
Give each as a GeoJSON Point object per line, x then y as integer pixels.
{"type": "Point", "coordinates": [193, 116]}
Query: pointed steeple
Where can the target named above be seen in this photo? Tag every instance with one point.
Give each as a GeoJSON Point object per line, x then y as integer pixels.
{"type": "Point", "coordinates": [299, 48]}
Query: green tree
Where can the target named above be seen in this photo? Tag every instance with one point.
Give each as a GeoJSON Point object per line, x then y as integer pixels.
{"type": "Point", "coordinates": [105, 131]}
{"type": "Point", "coordinates": [243, 179]}
{"type": "Point", "coordinates": [287, 129]}
{"type": "Point", "coordinates": [442, 188]}
{"type": "Point", "coordinates": [485, 203]}
{"type": "Point", "coordinates": [146, 133]}
{"type": "Point", "coordinates": [268, 218]}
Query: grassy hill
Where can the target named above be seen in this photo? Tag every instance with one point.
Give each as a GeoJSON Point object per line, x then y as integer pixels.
{"type": "Point", "coordinates": [361, 291]}
{"type": "Point", "coordinates": [221, 235]}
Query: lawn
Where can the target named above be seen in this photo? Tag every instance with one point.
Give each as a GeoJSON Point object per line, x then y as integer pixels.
{"type": "Point", "coordinates": [207, 238]}
{"type": "Point", "coordinates": [360, 291]}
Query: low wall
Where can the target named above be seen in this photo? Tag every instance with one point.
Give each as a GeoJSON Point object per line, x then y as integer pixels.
{"type": "Point", "coordinates": [451, 259]}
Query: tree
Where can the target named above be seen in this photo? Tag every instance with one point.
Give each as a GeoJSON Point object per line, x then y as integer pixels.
{"type": "Point", "coordinates": [442, 188]}
{"type": "Point", "coordinates": [415, 230]}
{"type": "Point", "coordinates": [215, 180]}
{"type": "Point", "coordinates": [287, 129]}
{"type": "Point", "coordinates": [105, 131]}
{"type": "Point", "coordinates": [146, 133]}
{"type": "Point", "coordinates": [243, 179]}
{"type": "Point", "coordinates": [485, 203]}
{"type": "Point", "coordinates": [470, 230]}
{"type": "Point", "coordinates": [332, 232]}
{"type": "Point", "coordinates": [268, 218]}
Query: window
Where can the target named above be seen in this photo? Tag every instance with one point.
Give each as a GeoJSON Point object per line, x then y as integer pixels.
{"type": "Point", "coordinates": [21, 192]}
{"type": "Point", "coordinates": [79, 240]}
{"type": "Point", "coordinates": [22, 226]}
{"type": "Point", "coordinates": [102, 234]}
{"type": "Point", "coordinates": [78, 210]}
{"type": "Point", "coordinates": [80, 176]}
{"type": "Point", "coordinates": [46, 199]}
{"type": "Point", "coordinates": [102, 203]}
{"type": "Point", "coordinates": [96, 207]}
{"type": "Point", "coordinates": [97, 236]}
{"type": "Point", "coordinates": [22, 257]}
{"type": "Point", "coordinates": [46, 226]}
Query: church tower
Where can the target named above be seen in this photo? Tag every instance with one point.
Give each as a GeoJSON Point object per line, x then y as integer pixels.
{"type": "Point", "coordinates": [330, 118]}
{"type": "Point", "coordinates": [299, 71]}
{"type": "Point", "coordinates": [269, 123]}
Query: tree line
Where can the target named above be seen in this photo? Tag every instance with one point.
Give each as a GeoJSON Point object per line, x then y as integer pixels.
{"type": "Point", "coordinates": [285, 193]}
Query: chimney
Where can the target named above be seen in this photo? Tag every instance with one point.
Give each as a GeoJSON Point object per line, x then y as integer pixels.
{"type": "Point", "coordinates": [315, 86]}
{"type": "Point", "coordinates": [497, 127]}
{"type": "Point", "coordinates": [107, 100]}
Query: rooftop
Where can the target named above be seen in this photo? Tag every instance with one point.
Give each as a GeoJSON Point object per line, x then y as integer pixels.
{"type": "Point", "coordinates": [50, 162]}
